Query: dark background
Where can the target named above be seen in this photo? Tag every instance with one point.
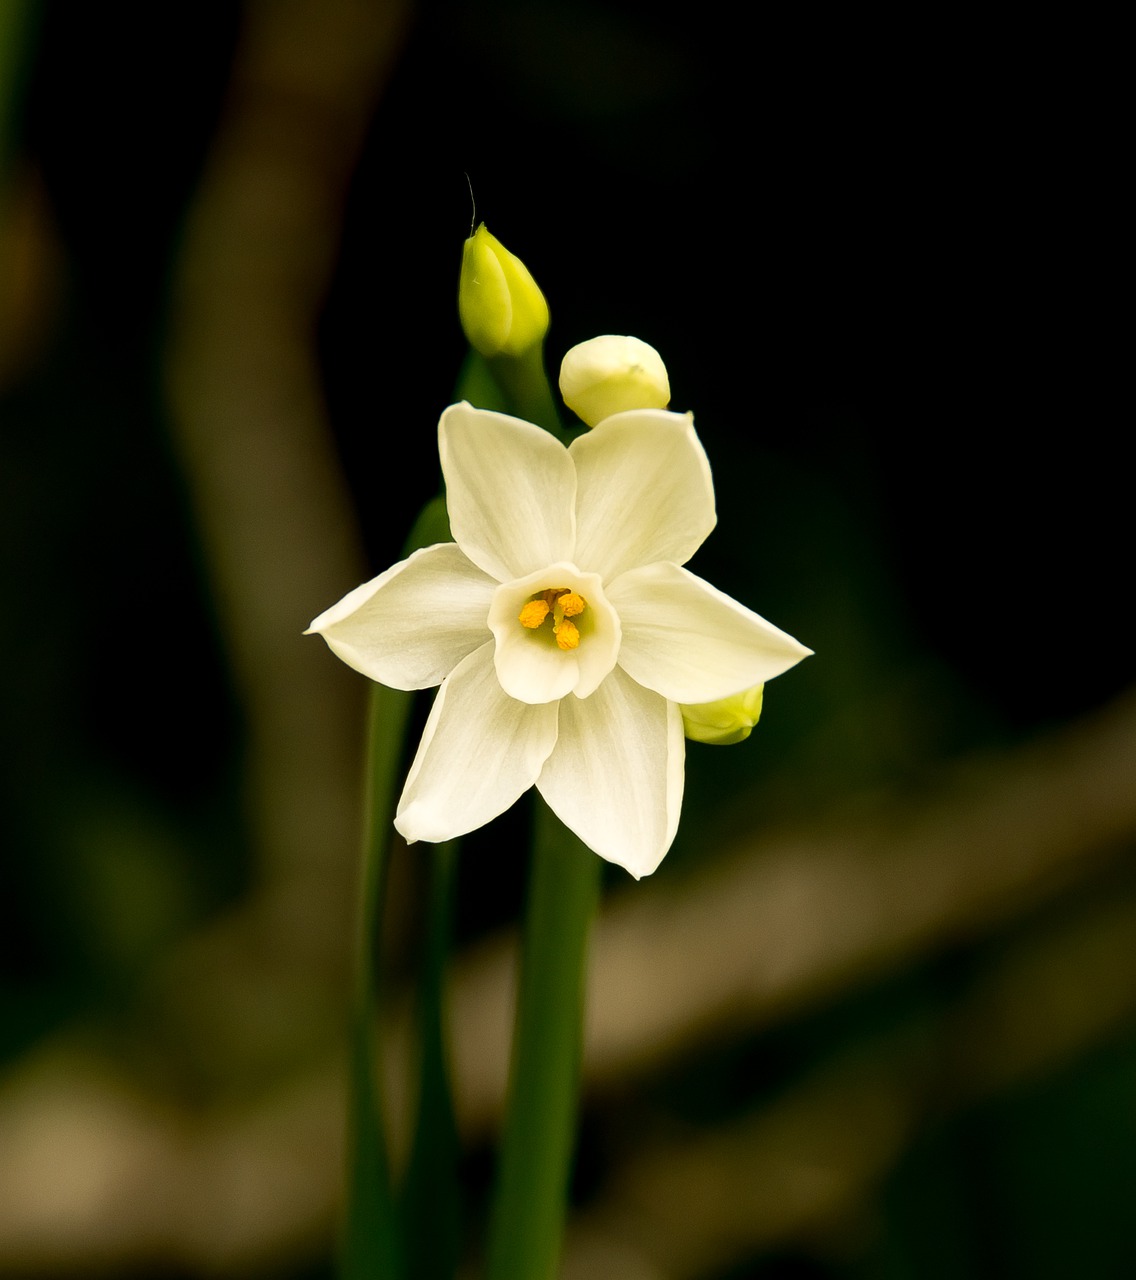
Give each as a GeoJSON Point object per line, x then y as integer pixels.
{"type": "Point", "coordinates": [878, 253]}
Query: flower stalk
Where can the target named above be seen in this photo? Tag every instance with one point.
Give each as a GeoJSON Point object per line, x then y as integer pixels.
{"type": "Point", "coordinates": [540, 1121]}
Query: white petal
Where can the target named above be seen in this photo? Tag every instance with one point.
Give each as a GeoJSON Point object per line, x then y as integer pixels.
{"type": "Point", "coordinates": [409, 627]}
{"type": "Point", "coordinates": [480, 751]}
{"type": "Point", "coordinates": [616, 775]}
{"type": "Point", "coordinates": [510, 491]}
{"type": "Point", "coordinates": [530, 665]}
{"type": "Point", "coordinates": [691, 642]}
{"type": "Point", "coordinates": [644, 492]}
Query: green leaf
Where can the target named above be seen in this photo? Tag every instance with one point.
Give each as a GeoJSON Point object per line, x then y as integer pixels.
{"type": "Point", "coordinates": [372, 1248]}
{"type": "Point", "coordinates": [431, 1206]}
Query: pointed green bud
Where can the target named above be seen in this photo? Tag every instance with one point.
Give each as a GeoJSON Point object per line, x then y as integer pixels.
{"type": "Point", "coordinates": [503, 312]}
{"type": "Point", "coordinates": [607, 375]}
{"type": "Point", "coordinates": [726, 721]}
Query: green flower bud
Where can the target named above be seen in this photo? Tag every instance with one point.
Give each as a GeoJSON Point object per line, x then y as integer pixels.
{"type": "Point", "coordinates": [503, 312]}
{"type": "Point", "coordinates": [726, 721]}
{"type": "Point", "coordinates": [610, 374]}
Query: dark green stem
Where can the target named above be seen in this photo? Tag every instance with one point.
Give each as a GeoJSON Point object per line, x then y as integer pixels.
{"type": "Point", "coordinates": [371, 1247]}
{"type": "Point", "coordinates": [540, 1122]}
{"type": "Point", "coordinates": [526, 389]}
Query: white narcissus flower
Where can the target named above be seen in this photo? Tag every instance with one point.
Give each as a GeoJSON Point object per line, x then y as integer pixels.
{"type": "Point", "coordinates": [562, 629]}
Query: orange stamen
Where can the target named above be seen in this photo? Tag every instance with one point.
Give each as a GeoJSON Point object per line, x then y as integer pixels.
{"type": "Point", "coordinates": [534, 613]}
{"type": "Point", "coordinates": [567, 635]}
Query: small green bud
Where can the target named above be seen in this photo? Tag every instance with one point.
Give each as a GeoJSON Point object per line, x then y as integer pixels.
{"type": "Point", "coordinates": [610, 374]}
{"type": "Point", "coordinates": [726, 721]}
{"type": "Point", "coordinates": [503, 311]}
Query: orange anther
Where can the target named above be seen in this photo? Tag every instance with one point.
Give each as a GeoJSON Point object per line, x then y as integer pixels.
{"type": "Point", "coordinates": [533, 614]}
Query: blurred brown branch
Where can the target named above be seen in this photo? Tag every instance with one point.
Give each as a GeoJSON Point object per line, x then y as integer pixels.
{"type": "Point", "coordinates": [96, 1168]}
{"type": "Point", "coordinates": [30, 275]}
{"type": "Point", "coordinates": [271, 505]}
{"type": "Point", "coordinates": [804, 1166]}
{"type": "Point", "coordinates": [779, 924]}
{"type": "Point", "coordinates": [774, 927]}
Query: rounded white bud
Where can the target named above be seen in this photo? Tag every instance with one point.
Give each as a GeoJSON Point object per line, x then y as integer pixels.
{"type": "Point", "coordinates": [610, 374]}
